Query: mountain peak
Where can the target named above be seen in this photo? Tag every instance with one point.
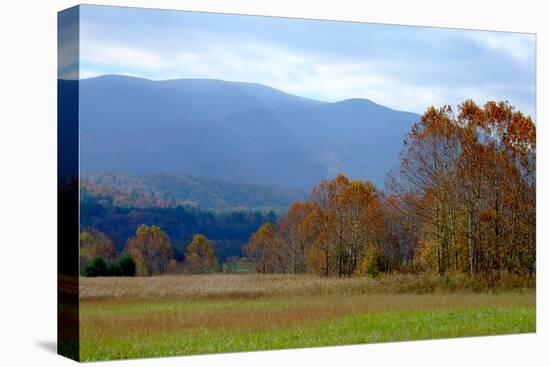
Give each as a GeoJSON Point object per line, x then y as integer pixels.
{"type": "Point", "coordinates": [259, 91]}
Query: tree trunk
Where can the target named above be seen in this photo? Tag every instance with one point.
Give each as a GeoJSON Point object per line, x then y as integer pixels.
{"type": "Point", "coordinates": [470, 244]}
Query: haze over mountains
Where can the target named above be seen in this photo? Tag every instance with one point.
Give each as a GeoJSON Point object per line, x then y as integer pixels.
{"type": "Point", "coordinates": [238, 132]}
{"type": "Point", "coordinates": [168, 190]}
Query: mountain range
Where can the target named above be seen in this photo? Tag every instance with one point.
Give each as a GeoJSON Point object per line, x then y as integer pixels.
{"type": "Point", "coordinates": [232, 131]}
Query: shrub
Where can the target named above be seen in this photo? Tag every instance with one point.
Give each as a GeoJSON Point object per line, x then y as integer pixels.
{"type": "Point", "coordinates": [127, 266]}
{"type": "Point", "coordinates": [372, 269]}
{"type": "Point", "coordinates": [114, 269]}
{"type": "Point", "coordinates": [96, 268]}
{"type": "Point", "coordinates": [447, 281]}
{"type": "Point", "coordinates": [124, 266]}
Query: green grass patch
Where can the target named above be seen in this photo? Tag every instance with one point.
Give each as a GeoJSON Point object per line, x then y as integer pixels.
{"type": "Point", "coordinates": [352, 329]}
{"type": "Point", "coordinates": [94, 309]}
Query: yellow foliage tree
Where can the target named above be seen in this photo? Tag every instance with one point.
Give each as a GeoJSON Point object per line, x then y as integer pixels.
{"type": "Point", "coordinates": [151, 250]}
{"type": "Point", "coordinates": [94, 243]}
{"type": "Point", "coordinates": [200, 257]}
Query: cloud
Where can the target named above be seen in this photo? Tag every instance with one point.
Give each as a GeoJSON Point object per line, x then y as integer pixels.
{"type": "Point", "coordinates": [314, 75]}
{"type": "Point", "coordinates": [520, 47]}
{"type": "Point", "coordinates": [406, 68]}
{"type": "Point", "coordinates": [101, 53]}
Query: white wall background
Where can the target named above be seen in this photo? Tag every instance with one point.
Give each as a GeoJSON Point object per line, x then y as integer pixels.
{"type": "Point", "coordinates": [28, 69]}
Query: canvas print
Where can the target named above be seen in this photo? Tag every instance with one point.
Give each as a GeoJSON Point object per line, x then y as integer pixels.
{"type": "Point", "coordinates": [235, 183]}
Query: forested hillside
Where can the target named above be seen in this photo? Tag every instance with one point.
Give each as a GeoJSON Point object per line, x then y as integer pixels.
{"type": "Point", "coordinates": [228, 230]}
{"type": "Point", "coordinates": [169, 190]}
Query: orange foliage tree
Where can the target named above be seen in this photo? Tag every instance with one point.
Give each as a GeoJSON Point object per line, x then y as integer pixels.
{"type": "Point", "coordinates": [266, 250]}
{"type": "Point", "coordinates": [472, 180]}
{"type": "Point", "coordinates": [330, 234]}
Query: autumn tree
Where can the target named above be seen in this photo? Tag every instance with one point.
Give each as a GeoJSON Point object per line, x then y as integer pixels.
{"type": "Point", "coordinates": [428, 167]}
{"type": "Point", "coordinates": [93, 244]}
{"type": "Point", "coordinates": [295, 235]}
{"type": "Point", "coordinates": [501, 143]}
{"type": "Point", "coordinates": [324, 254]}
{"type": "Point", "coordinates": [471, 177]}
{"type": "Point", "coordinates": [401, 236]}
{"type": "Point", "coordinates": [266, 250]}
{"type": "Point", "coordinates": [346, 224]}
{"type": "Point", "coordinates": [200, 257]}
{"type": "Point", "coordinates": [151, 249]}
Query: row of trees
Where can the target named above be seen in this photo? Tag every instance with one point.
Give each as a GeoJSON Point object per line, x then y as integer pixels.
{"type": "Point", "coordinates": [147, 253]}
{"type": "Point", "coordinates": [228, 229]}
{"type": "Point", "coordinates": [338, 231]}
{"type": "Point", "coordinates": [463, 201]}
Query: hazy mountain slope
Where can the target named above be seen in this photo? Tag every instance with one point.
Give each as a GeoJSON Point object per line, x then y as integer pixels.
{"type": "Point", "coordinates": [238, 132]}
{"type": "Point", "coordinates": [163, 190]}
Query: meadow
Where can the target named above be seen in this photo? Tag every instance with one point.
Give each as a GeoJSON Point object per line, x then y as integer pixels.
{"type": "Point", "coordinates": [169, 315]}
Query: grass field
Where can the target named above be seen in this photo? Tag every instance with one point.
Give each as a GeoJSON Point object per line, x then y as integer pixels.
{"type": "Point", "coordinates": [179, 315]}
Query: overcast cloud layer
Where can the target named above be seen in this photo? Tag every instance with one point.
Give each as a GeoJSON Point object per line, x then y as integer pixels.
{"type": "Point", "coordinates": [406, 68]}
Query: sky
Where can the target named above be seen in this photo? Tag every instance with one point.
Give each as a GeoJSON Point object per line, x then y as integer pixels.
{"type": "Point", "coordinates": [402, 67]}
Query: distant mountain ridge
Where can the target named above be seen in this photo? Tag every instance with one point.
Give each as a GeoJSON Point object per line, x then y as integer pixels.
{"type": "Point", "coordinates": [233, 131]}
{"type": "Point", "coordinates": [166, 190]}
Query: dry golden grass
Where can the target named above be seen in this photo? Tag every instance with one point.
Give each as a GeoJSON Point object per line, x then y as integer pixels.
{"type": "Point", "coordinates": [219, 286]}
{"type": "Point", "coordinates": [231, 286]}
{"type": "Point", "coordinates": [170, 315]}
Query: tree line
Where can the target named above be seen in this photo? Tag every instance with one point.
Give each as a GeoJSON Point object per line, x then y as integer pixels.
{"type": "Point", "coordinates": [463, 200]}
{"type": "Point", "coordinates": [148, 252]}
{"type": "Point", "coordinates": [228, 230]}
